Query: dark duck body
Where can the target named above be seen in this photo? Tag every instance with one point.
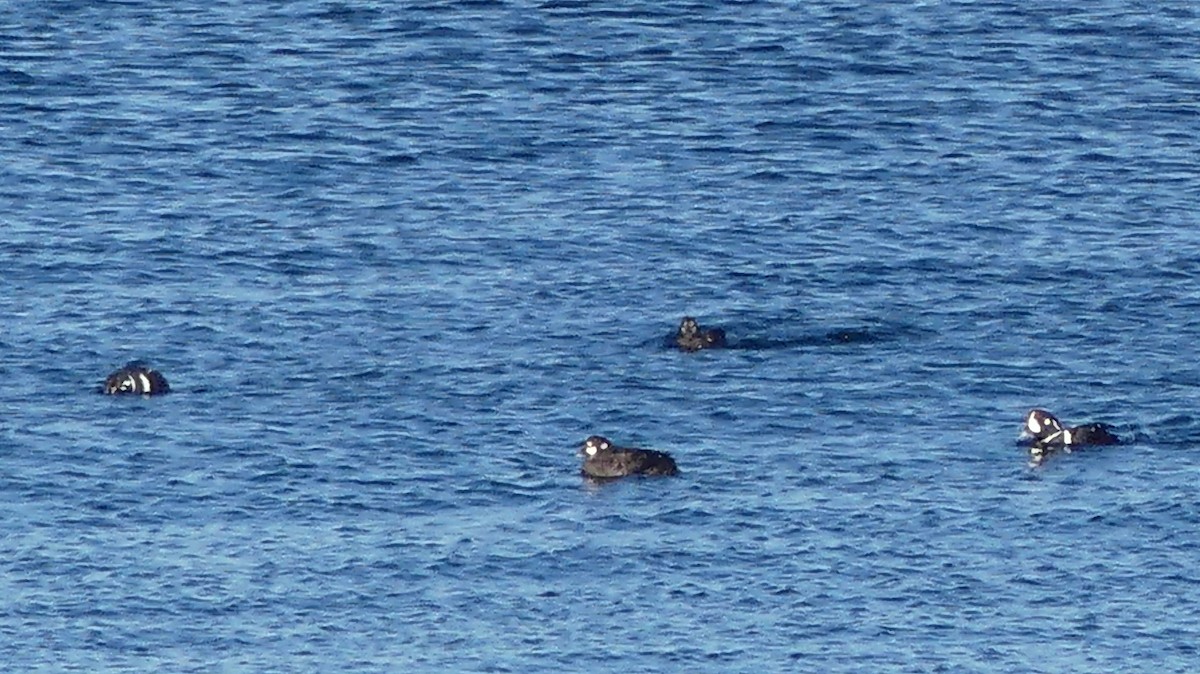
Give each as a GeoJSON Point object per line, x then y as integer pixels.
{"type": "Point", "coordinates": [690, 336]}
{"type": "Point", "coordinates": [1048, 435]}
{"type": "Point", "coordinates": [603, 460]}
{"type": "Point", "coordinates": [136, 378]}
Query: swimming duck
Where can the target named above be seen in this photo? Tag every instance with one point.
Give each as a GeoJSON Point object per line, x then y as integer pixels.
{"type": "Point", "coordinates": [136, 378]}
{"type": "Point", "coordinates": [1048, 434]}
{"type": "Point", "coordinates": [603, 460]}
{"type": "Point", "coordinates": [691, 337]}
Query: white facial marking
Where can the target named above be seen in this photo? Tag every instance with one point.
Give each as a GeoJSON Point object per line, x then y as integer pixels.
{"type": "Point", "coordinates": [145, 382]}
{"type": "Point", "coordinates": [591, 449]}
{"type": "Point", "coordinates": [1033, 424]}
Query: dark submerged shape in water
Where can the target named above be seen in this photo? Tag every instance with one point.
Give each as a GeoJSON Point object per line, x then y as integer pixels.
{"type": "Point", "coordinates": [602, 460]}
{"type": "Point", "coordinates": [691, 337]}
{"type": "Point", "coordinates": [136, 378]}
{"type": "Point", "coordinates": [1048, 435]}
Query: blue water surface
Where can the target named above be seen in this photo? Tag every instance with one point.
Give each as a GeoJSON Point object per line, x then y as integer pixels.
{"type": "Point", "coordinates": [398, 260]}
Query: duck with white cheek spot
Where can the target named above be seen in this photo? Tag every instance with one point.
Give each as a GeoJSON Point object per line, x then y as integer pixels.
{"type": "Point", "coordinates": [602, 460]}
{"type": "Point", "coordinates": [1047, 435]}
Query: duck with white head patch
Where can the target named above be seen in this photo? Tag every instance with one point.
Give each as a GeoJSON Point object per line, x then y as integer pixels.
{"type": "Point", "coordinates": [691, 337]}
{"type": "Point", "coordinates": [1048, 435]}
{"type": "Point", "coordinates": [602, 460]}
{"type": "Point", "coordinates": [136, 379]}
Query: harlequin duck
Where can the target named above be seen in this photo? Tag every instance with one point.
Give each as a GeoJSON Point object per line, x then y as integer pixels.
{"type": "Point", "coordinates": [602, 460]}
{"type": "Point", "coordinates": [691, 338]}
{"type": "Point", "coordinates": [136, 378]}
{"type": "Point", "coordinates": [1049, 435]}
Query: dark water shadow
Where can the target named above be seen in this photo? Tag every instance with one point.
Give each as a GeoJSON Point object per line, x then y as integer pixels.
{"type": "Point", "coordinates": [834, 337]}
{"type": "Point", "coordinates": [796, 333]}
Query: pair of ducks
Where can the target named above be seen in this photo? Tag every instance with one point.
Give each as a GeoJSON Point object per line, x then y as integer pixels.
{"type": "Point", "coordinates": [602, 460]}
{"type": "Point", "coordinates": [136, 378]}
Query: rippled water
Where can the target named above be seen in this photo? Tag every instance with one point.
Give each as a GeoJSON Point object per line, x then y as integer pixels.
{"type": "Point", "coordinates": [398, 261]}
